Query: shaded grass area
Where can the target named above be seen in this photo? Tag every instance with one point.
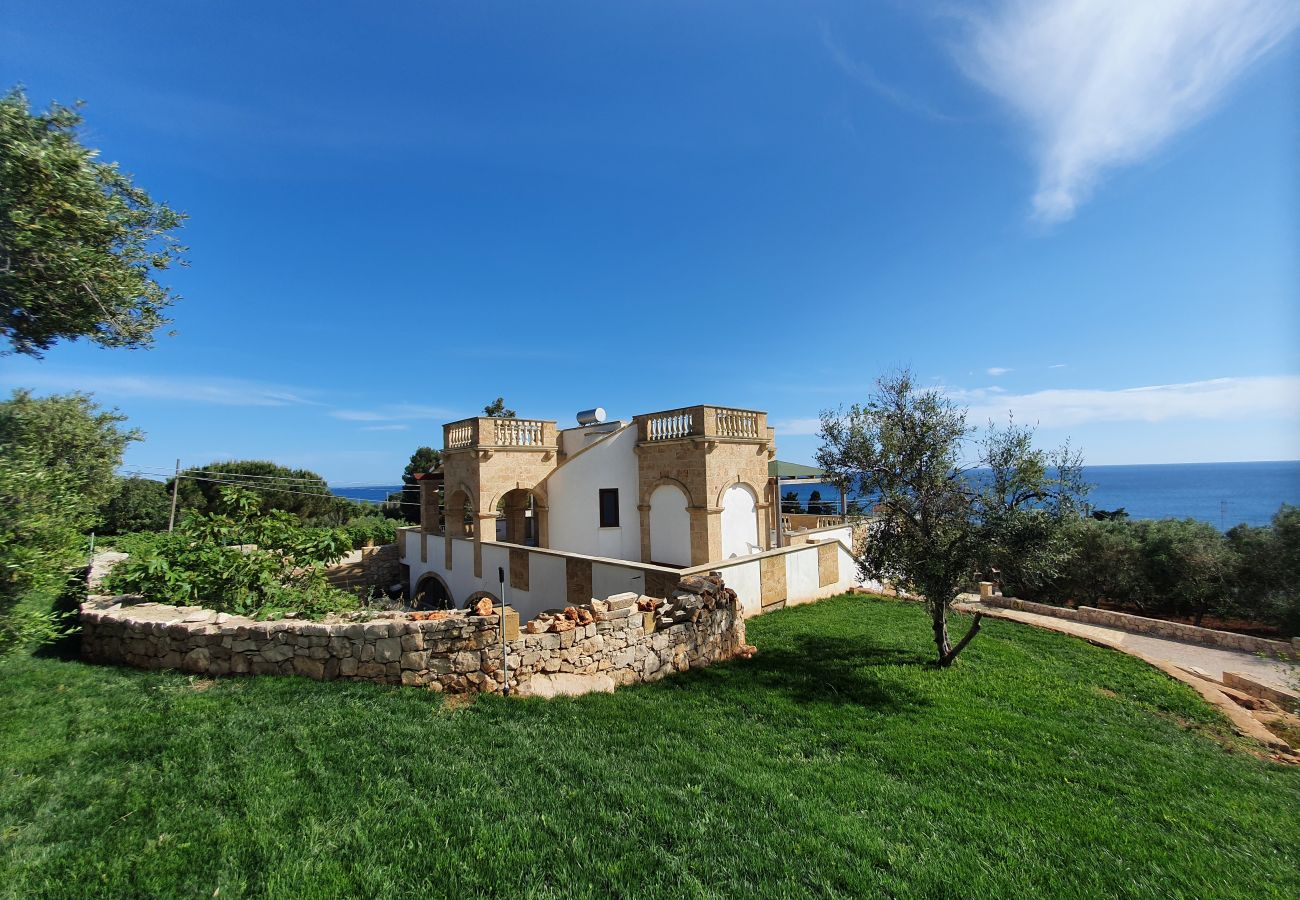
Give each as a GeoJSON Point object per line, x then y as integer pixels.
{"type": "Point", "coordinates": [836, 761]}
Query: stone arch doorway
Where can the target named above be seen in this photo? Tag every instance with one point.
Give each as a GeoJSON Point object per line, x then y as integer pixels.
{"type": "Point", "coordinates": [521, 518]}
{"type": "Point", "coordinates": [459, 515]}
{"type": "Point", "coordinates": [739, 521]}
{"type": "Point", "coordinates": [670, 526]}
{"type": "Point", "coordinates": [431, 592]}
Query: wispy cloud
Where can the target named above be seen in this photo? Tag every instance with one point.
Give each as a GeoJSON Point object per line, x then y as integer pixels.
{"type": "Point", "coordinates": [1104, 83]}
{"type": "Point", "coordinates": [995, 371]}
{"type": "Point", "coordinates": [862, 73]}
{"type": "Point", "coordinates": [1057, 366]}
{"type": "Point", "coordinates": [190, 389]}
{"type": "Point", "coordinates": [1223, 399]}
{"type": "Point", "coordinates": [393, 427]}
{"type": "Point", "coordinates": [392, 412]}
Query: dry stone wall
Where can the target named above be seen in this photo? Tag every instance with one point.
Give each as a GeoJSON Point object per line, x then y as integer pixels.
{"type": "Point", "coordinates": [626, 639]}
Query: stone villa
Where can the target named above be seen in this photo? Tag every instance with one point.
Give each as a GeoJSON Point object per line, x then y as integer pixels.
{"type": "Point", "coordinates": [554, 517]}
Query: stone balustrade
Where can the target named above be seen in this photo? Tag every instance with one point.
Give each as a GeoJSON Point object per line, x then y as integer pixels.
{"type": "Point", "coordinates": [485, 431]}
{"type": "Point", "coordinates": [703, 422]}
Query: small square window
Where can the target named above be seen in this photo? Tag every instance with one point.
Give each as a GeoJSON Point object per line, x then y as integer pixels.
{"type": "Point", "coordinates": [609, 507]}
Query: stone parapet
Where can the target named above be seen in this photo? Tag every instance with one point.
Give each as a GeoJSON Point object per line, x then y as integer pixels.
{"type": "Point", "coordinates": [455, 651]}
{"type": "Point", "coordinates": [1175, 631]}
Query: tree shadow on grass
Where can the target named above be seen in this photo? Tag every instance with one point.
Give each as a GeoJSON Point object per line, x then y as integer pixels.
{"type": "Point", "coordinates": [820, 669]}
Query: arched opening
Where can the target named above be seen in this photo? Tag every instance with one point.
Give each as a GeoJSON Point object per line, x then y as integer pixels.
{"type": "Point", "coordinates": [459, 515]}
{"type": "Point", "coordinates": [431, 593]}
{"type": "Point", "coordinates": [739, 522]}
{"type": "Point", "coordinates": [670, 526]}
{"type": "Point", "coordinates": [519, 517]}
{"type": "Point", "coordinates": [479, 595]}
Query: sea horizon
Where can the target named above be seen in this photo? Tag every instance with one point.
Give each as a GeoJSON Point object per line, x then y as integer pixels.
{"type": "Point", "coordinates": [1224, 494]}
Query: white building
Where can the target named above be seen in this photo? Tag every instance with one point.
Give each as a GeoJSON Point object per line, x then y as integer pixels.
{"type": "Point", "coordinates": [552, 518]}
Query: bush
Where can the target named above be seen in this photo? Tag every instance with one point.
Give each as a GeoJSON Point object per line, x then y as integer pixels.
{"type": "Point", "coordinates": [138, 505]}
{"type": "Point", "coordinates": [370, 529]}
{"type": "Point", "coordinates": [239, 560]}
{"type": "Point", "coordinates": [1182, 567]}
{"type": "Point", "coordinates": [57, 456]}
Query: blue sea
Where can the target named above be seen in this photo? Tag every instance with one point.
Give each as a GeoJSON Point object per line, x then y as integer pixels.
{"type": "Point", "coordinates": [1223, 494]}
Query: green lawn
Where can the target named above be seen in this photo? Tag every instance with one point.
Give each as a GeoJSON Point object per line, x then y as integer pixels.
{"type": "Point", "coordinates": [834, 762]}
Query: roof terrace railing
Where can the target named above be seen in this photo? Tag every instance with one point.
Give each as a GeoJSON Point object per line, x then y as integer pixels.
{"type": "Point", "coordinates": [702, 421]}
{"type": "Point", "coordinates": [495, 432]}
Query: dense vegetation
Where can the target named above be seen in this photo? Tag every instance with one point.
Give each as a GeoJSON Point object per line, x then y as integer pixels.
{"type": "Point", "coordinates": [57, 456]}
{"type": "Point", "coordinates": [1181, 567]}
{"type": "Point", "coordinates": [239, 559]}
{"type": "Point", "coordinates": [300, 492]}
{"type": "Point", "coordinates": [836, 761]}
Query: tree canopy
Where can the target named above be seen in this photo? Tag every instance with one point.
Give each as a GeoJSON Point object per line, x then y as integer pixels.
{"type": "Point", "coordinates": [80, 243]}
{"type": "Point", "coordinates": [139, 505]}
{"type": "Point", "coordinates": [301, 492]}
{"type": "Point", "coordinates": [949, 506]}
{"type": "Point", "coordinates": [424, 459]}
{"type": "Point", "coordinates": [497, 409]}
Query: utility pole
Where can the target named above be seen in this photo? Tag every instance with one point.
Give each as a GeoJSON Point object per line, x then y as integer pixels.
{"type": "Point", "coordinates": [505, 659]}
{"type": "Point", "coordinates": [176, 484]}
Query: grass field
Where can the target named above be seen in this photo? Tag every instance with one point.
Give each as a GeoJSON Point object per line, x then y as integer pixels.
{"type": "Point", "coordinates": [835, 762]}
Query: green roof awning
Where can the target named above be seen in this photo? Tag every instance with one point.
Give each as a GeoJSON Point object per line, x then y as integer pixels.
{"type": "Point", "coordinates": [780, 469]}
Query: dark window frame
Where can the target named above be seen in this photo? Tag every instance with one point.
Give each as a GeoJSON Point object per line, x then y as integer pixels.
{"type": "Point", "coordinates": [607, 508]}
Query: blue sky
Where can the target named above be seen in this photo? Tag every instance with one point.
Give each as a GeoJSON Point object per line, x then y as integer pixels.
{"type": "Point", "coordinates": [1085, 212]}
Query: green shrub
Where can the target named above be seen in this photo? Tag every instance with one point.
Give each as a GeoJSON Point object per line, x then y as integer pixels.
{"type": "Point", "coordinates": [370, 529]}
{"type": "Point", "coordinates": [138, 505]}
{"type": "Point", "coordinates": [239, 560]}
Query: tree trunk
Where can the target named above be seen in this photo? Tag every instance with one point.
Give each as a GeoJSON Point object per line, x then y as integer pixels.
{"type": "Point", "coordinates": [939, 620]}
{"type": "Point", "coordinates": [947, 654]}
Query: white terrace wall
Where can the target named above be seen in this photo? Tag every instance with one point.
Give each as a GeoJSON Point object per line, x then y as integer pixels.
{"type": "Point", "coordinates": [537, 579]}
{"type": "Point", "coordinates": [821, 565]}
{"type": "Point", "coordinates": [456, 652]}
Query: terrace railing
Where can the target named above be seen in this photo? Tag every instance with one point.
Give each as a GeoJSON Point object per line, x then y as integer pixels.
{"type": "Point", "coordinates": [703, 422]}
{"type": "Point", "coordinates": [493, 432]}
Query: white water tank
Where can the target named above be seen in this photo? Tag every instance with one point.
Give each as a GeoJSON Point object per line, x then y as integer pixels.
{"type": "Point", "coordinates": [591, 416]}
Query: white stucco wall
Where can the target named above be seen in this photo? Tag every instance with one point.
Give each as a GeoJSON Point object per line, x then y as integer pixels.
{"type": "Point", "coordinates": [670, 526]}
{"type": "Point", "coordinates": [739, 522]}
{"type": "Point", "coordinates": [573, 494]}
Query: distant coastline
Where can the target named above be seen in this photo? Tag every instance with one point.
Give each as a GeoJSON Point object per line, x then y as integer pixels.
{"type": "Point", "coordinates": [1223, 494]}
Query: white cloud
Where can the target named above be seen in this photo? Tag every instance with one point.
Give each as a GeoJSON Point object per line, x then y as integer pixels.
{"type": "Point", "coordinates": [995, 371]}
{"type": "Point", "coordinates": [861, 72]}
{"type": "Point", "coordinates": [1222, 399]}
{"type": "Point", "coordinates": [391, 412]}
{"type": "Point", "coordinates": [190, 389]}
{"type": "Point", "coordinates": [1104, 83]}
{"type": "Point", "coordinates": [398, 427]}
{"type": "Point", "coordinates": [1057, 366]}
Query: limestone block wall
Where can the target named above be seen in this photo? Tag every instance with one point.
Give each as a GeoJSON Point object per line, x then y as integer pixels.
{"type": "Point", "coordinates": [378, 567]}
{"type": "Point", "coordinates": [456, 651]}
{"type": "Point", "coordinates": [1177, 631]}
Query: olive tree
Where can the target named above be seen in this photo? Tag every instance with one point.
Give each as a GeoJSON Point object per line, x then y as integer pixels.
{"type": "Point", "coordinates": [949, 504]}
{"type": "Point", "coordinates": [80, 243]}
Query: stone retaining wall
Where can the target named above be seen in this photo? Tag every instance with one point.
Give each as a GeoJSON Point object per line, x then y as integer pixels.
{"type": "Point", "coordinates": [368, 567]}
{"type": "Point", "coordinates": [1160, 628]}
{"type": "Point", "coordinates": [455, 651]}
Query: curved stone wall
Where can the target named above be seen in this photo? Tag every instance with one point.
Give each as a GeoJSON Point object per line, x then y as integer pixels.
{"type": "Point", "coordinates": [454, 651]}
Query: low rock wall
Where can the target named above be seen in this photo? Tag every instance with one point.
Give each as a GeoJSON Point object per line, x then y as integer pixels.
{"type": "Point", "coordinates": [455, 651]}
{"type": "Point", "coordinates": [1175, 631]}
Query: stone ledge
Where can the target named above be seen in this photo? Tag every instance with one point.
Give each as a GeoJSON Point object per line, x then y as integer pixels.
{"type": "Point", "coordinates": [1161, 628]}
